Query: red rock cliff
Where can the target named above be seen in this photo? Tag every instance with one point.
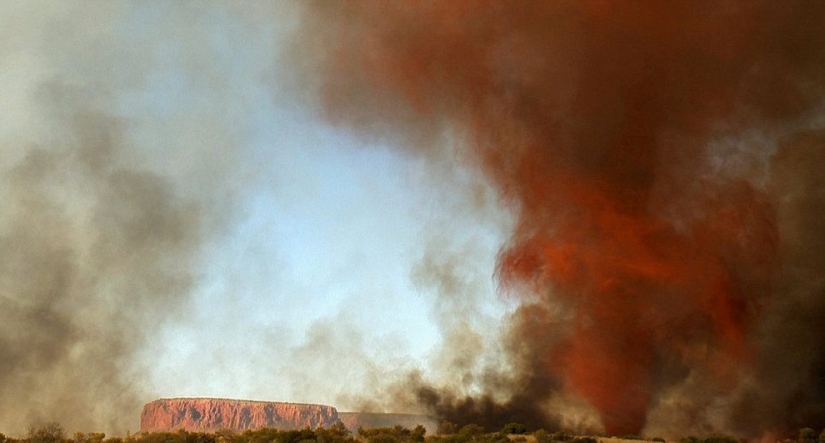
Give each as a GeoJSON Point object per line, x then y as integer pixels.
{"type": "Point", "coordinates": [210, 414]}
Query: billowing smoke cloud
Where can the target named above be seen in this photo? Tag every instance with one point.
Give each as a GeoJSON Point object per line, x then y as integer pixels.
{"type": "Point", "coordinates": [94, 255]}
{"type": "Point", "coordinates": [661, 162]}
{"type": "Point", "coordinates": [105, 206]}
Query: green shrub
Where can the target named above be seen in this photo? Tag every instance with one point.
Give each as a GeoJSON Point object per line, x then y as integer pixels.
{"type": "Point", "coordinates": [471, 430]}
{"type": "Point", "coordinates": [48, 433]}
{"type": "Point", "coordinates": [514, 428]}
{"type": "Point", "coordinates": [541, 436]}
{"type": "Point", "coordinates": [446, 428]}
{"type": "Point", "coordinates": [721, 438]}
{"type": "Point", "coordinates": [418, 434]}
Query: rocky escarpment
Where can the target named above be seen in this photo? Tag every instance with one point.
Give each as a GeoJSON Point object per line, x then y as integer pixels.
{"type": "Point", "coordinates": [210, 414]}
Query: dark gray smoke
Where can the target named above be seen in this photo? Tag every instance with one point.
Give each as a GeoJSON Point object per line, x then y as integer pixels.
{"type": "Point", "coordinates": [95, 255]}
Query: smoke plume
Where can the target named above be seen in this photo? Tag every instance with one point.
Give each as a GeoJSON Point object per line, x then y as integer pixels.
{"type": "Point", "coordinates": [661, 162]}
{"type": "Point", "coordinates": [102, 220]}
{"type": "Point", "coordinates": [93, 254]}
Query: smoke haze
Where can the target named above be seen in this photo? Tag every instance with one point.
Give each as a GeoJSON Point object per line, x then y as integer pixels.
{"type": "Point", "coordinates": [177, 223]}
{"type": "Point", "coordinates": [93, 255]}
{"type": "Point", "coordinates": [661, 163]}
{"type": "Point", "coordinates": [101, 229]}
{"type": "Point", "coordinates": [641, 181]}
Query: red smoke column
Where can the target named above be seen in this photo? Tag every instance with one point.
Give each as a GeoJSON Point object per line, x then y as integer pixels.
{"type": "Point", "coordinates": [596, 121]}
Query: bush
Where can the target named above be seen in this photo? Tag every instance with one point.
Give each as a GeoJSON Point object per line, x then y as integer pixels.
{"type": "Point", "coordinates": [806, 435]}
{"type": "Point", "coordinates": [294, 436]}
{"type": "Point", "coordinates": [721, 438]}
{"type": "Point", "coordinates": [514, 428]}
{"type": "Point", "coordinates": [471, 430]}
{"type": "Point", "coordinates": [383, 438]}
{"type": "Point", "coordinates": [49, 433]}
{"type": "Point", "coordinates": [418, 434]}
{"type": "Point", "coordinates": [446, 428]}
{"type": "Point", "coordinates": [541, 436]}
{"type": "Point", "coordinates": [336, 433]}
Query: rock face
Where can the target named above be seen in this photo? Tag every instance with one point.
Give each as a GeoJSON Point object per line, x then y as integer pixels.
{"type": "Point", "coordinates": [367, 420]}
{"type": "Point", "coordinates": [210, 414]}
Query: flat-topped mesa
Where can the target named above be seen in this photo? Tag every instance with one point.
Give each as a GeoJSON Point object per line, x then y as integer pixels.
{"type": "Point", "coordinates": [211, 414]}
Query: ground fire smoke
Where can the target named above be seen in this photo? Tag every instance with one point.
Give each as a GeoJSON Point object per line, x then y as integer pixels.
{"type": "Point", "coordinates": [98, 243]}
{"type": "Point", "coordinates": [93, 254]}
{"type": "Point", "coordinates": [662, 162]}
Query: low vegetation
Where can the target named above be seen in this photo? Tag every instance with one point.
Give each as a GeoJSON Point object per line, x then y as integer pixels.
{"type": "Point", "coordinates": [446, 433]}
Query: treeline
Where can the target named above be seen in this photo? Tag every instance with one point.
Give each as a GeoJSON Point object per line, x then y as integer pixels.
{"type": "Point", "coordinates": [338, 433]}
{"type": "Point", "coordinates": [446, 433]}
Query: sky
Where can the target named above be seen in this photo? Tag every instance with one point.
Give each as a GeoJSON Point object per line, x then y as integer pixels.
{"type": "Point", "coordinates": [596, 216]}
